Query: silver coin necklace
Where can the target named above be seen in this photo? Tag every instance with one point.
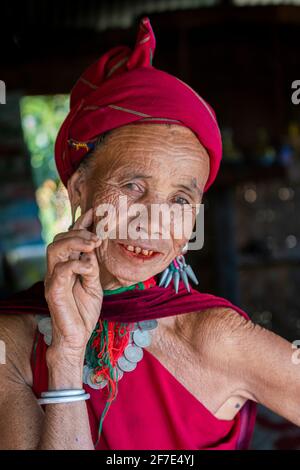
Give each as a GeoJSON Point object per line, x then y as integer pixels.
{"type": "Point", "coordinates": [139, 338]}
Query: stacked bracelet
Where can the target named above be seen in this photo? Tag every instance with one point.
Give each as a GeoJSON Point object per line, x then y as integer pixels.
{"type": "Point", "coordinates": [62, 396]}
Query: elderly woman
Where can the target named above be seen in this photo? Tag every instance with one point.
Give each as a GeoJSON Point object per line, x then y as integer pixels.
{"type": "Point", "coordinates": [105, 357]}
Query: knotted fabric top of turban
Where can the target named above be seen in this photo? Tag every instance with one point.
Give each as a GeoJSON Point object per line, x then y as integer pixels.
{"type": "Point", "coordinates": [123, 87]}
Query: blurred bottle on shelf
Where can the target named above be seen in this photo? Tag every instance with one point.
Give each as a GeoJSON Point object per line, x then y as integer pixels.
{"type": "Point", "coordinates": [264, 153]}
{"type": "Point", "coordinates": [285, 155]}
{"type": "Point", "coordinates": [290, 145]}
{"type": "Point", "coordinates": [232, 154]}
{"type": "Point", "coordinates": [294, 137]}
{"type": "Point", "coordinates": [289, 154]}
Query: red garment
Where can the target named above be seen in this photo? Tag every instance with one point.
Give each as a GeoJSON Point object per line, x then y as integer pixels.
{"type": "Point", "coordinates": [123, 87]}
{"type": "Point", "coordinates": [152, 410]}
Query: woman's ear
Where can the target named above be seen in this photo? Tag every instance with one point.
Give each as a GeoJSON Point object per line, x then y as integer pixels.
{"type": "Point", "coordinates": [76, 188]}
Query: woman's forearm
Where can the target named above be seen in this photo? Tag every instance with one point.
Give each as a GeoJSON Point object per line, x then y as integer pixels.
{"type": "Point", "coordinates": [66, 425]}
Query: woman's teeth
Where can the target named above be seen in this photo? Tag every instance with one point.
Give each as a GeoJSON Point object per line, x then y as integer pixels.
{"type": "Point", "coordinates": [138, 250]}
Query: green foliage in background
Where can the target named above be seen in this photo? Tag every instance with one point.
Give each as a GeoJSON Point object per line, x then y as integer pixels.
{"type": "Point", "coordinates": [41, 118]}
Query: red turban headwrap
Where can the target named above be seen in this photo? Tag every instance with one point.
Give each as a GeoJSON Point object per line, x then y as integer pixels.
{"type": "Point", "coordinates": [123, 87]}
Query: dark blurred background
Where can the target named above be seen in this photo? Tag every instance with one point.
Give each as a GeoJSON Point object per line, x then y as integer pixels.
{"type": "Point", "coordinates": [242, 57]}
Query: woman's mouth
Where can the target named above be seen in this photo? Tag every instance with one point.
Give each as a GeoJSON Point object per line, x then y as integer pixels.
{"type": "Point", "coordinates": [138, 252]}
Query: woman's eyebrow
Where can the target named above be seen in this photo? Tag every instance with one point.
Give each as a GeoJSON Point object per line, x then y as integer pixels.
{"type": "Point", "coordinates": [133, 176]}
{"type": "Point", "coordinates": [191, 189]}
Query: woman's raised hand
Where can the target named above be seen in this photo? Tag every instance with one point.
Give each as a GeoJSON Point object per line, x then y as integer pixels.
{"type": "Point", "coordinates": [72, 288]}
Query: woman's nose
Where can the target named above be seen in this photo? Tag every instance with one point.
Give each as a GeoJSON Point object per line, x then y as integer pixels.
{"type": "Point", "coordinates": [154, 222]}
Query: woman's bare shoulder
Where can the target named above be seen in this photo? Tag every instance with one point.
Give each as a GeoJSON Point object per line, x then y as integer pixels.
{"type": "Point", "coordinates": [213, 326]}
{"type": "Point", "coordinates": [17, 335]}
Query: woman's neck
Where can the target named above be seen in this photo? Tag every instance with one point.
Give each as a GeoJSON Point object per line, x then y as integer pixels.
{"type": "Point", "coordinates": [112, 284]}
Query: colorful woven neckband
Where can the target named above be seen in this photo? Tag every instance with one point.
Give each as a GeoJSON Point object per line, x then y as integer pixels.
{"type": "Point", "coordinates": [106, 345]}
{"type": "Point", "coordinates": [151, 282]}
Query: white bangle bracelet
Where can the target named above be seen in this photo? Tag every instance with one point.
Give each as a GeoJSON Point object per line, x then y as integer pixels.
{"type": "Point", "coordinates": [70, 392]}
{"type": "Point", "coordinates": [63, 399]}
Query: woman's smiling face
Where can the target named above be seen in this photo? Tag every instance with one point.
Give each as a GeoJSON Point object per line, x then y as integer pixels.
{"type": "Point", "coordinates": [149, 164]}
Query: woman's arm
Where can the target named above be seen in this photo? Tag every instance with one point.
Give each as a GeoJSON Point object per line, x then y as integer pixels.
{"type": "Point", "coordinates": [20, 415]}
{"type": "Point", "coordinates": [23, 423]}
{"type": "Point", "coordinates": [66, 425]}
{"type": "Point", "coordinates": [258, 363]}
{"type": "Point", "coordinates": [74, 295]}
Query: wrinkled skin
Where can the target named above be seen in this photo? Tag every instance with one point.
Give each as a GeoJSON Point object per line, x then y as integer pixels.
{"type": "Point", "coordinates": [148, 163]}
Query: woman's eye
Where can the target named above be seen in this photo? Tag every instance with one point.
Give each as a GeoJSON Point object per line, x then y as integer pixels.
{"type": "Point", "coordinates": [132, 186]}
{"type": "Point", "coordinates": [181, 200]}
